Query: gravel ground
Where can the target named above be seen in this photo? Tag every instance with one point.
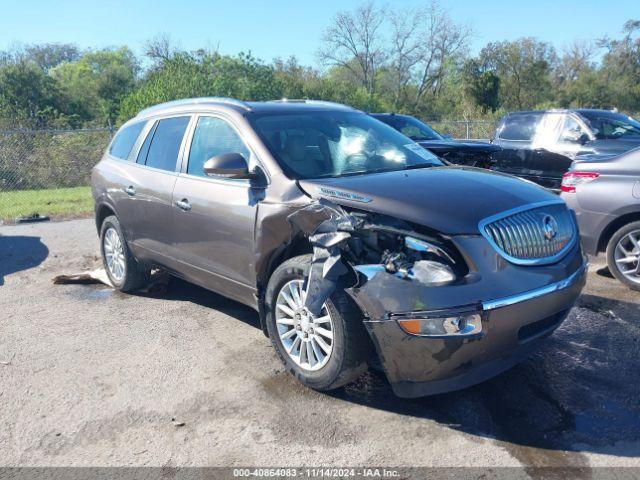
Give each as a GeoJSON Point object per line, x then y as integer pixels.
{"type": "Point", "coordinates": [91, 377]}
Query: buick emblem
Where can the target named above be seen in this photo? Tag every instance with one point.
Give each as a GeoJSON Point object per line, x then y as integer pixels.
{"type": "Point", "coordinates": [549, 227]}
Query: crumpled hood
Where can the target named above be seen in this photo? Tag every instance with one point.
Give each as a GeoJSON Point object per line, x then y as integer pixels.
{"type": "Point", "coordinates": [451, 200]}
{"type": "Point", "coordinates": [444, 146]}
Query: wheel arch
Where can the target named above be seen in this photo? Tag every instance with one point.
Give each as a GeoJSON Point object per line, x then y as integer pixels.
{"type": "Point", "coordinates": [614, 226]}
{"type": "Point", "coordinates": [103, 211]}
{"type": "Point", "coordinates": [298, 246]}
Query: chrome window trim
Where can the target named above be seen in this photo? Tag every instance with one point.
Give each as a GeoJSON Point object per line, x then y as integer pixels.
{"type": "Point", "coordinates": [133, 154]}
{"type": "Point", "coordinates": [152, 122]}
{"type": "Point", "coordinates": [151, 169]}
{"type": "Point", "coordinates": [531, 206]}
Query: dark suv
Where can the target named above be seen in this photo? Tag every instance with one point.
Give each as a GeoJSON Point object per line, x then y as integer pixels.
{"type": "Point", "coordinates": [541, 145]}
{"type": "Point", "coordinates": [350, 240]}
{"type": "Point", "coordinates": [470, 153]}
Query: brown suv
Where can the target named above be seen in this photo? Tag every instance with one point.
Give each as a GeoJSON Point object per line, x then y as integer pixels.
{"type": "Point", "coordinates": [349, 239]}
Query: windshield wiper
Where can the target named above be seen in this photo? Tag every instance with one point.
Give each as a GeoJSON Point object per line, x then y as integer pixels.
{"type": "Point", "coordinates": [375, 170]}
{"type": "Point", "coordinates": [422, 139]}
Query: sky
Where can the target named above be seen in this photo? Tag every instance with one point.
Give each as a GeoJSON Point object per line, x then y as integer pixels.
{"type": "Point", "coordinates": [273, 28]}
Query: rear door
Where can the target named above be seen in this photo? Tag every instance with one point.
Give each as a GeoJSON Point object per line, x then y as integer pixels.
{"type": "Point", "coordinates": [120, 171]}
{"type": "Point", "coordinates": [151, 188]}
{"type": "Point", "coordinates": [214, 218]}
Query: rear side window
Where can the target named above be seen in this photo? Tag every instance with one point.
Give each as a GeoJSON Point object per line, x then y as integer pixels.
{"type": "Point", "coordinates": [519, 127]}
{"type": "Point", "coordinates": [212, 137]}
{"type": "Point", "coordinates": [125, 138]}
{"type": "Point", "coordinates": [165, 145]}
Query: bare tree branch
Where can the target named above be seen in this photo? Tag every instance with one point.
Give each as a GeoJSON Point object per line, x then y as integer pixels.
{"type": "Point", "coordinates": [440, 39]}
{"type": "Point", "coordinates": [354, 42]}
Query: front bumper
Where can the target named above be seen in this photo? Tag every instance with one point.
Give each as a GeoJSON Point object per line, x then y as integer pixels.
{"type": "Point", "coordinates": [513, 324]}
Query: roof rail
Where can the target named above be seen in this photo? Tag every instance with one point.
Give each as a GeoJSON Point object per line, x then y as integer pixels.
{"type": "Point", "coordinates": [313, 102]}
{"type": "Point", "coordinates": [198, 101]}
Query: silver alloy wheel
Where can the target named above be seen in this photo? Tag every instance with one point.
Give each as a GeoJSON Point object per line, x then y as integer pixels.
{"type": "Point", "coordinates": [114, 254]}
{"type": "Point", "coordinates": [627, 256]}
{"type": "Point", "coordinates": [307, 340]}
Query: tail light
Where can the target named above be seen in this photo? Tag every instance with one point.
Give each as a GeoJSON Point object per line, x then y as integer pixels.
{"type": "Point", "coordinates": [571, 180]}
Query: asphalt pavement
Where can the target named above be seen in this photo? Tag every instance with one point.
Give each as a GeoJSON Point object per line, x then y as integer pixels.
{"type": "Point", "coordinates": [185, 377]}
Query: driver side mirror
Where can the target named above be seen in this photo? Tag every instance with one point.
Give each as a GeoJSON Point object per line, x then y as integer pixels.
{"type": "Point", "coordinates": [575, 136]}
{"type": "Point", "coordinates": [228, 165]}
{"type": "Point", "coordinates": [447, 136]}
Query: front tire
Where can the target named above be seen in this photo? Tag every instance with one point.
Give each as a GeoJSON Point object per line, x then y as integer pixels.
{"type": "Point", "coordinates": [124, 271]}
{"type": "Point", "coordinates": [323, 353]}
{"type": "Point", "coordinates": [623, 255]}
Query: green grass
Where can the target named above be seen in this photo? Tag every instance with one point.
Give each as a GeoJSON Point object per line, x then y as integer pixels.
{"type": "Point", "coordinates": [63, 202]}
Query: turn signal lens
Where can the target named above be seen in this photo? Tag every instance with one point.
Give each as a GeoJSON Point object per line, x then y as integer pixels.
{"type": "Point", "coordinates": [571, 180]}
{"type": "Point", "coordinates": [464, 324]}
{"type": "Point", "coordinates": [411, 326]}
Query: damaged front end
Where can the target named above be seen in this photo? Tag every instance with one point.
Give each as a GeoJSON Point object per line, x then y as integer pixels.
{"type": "Point", "coordinates": [366, 244]}
{"type": "Point", "coordinates": [444, 312]}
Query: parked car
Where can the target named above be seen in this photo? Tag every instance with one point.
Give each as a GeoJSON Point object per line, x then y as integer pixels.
{"type": "Point", "coordinates": [350, 240]}
{"type": "Point", "coordinates": [541, 145]}
{"type": "Point", "coordinates": [605, 194]}
{"type": "Point", "coordinates": [472, 153]}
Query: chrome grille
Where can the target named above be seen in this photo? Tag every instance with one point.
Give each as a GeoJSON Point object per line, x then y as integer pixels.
{"type": "Point", "coordinates": [532, 235]}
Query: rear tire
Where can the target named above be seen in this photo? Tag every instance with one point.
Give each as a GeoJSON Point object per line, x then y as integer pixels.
{"type": "Point", "coordinates": [626, 239]}
{"type": "Point", "coordinates": [350, 346]}
{"type": "Point", "coordinates": [123, 270]}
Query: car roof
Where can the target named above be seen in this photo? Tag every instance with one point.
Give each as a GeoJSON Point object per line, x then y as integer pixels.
{"type": "Point", "coordinates": [216, 103]}
{"type": "Point", "coordinates": [560, 110]}
{"type": "Point", "coordinates": [390, 114]}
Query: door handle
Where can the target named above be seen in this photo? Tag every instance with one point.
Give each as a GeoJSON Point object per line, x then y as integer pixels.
{"type": "Point", "coordinates": [183, 205]}
{"type": "Point", "coordinates": [130, 190]}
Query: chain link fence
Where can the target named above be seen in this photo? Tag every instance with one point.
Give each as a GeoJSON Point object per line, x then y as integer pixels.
{"type": "Point", "coordinates": [465, 129]}
{"type": "Point", "coordinates": [47, 172]}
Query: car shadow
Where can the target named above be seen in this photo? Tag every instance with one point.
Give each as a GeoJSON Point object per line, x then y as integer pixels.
{"type": "Point", "coordinates": [19, 253]}
{"type": "Point", "coordinates": [178, 289]}
{"type": "Point", "coordinates": [578, 392]}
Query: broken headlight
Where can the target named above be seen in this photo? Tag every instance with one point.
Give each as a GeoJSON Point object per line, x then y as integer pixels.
{"type": "Point", "coordinates": [421, 261]}
{"type": "Point", "coordinates": [384, 244]}
{"type": "Point", "coordinates": [431, 272]}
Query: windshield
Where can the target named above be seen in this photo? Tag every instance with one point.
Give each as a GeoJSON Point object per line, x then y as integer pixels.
{"type": "Point", "coordinates": [410, 127]}
{"type": "Point", "coordinates": [334, 144]}
{"type": "Point", "coordinates": [611, 125]}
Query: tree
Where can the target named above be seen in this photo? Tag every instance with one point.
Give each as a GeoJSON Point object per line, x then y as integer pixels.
{"type": "Point", "coordinates": [524, 67]}
{"type": "Point", "coordinates": [404, 52]}
{"type": "Point", "coordinates": [27, 94]}
{"type": "Point", "coordinates": [440, 42]}
{"type": "Point", "coordinates": [576, 58]}
{"type": "Point", "coordinates": [93, 86]}
{"type": "Point", "coordinates": [354, 43]}
{"type": "Point", "coordinates": [160, 48]}
{"type": "Point", "coordinates": [49, 55]}
{"type": "Point", "coordinates": [481, 85]}
{"type": "Point", "coordinates": [200, 75]}
{"type": "Point", "coordinates": [621, 66]}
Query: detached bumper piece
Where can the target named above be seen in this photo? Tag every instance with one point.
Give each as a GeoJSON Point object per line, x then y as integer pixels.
{"type": "Point", "coordinates": [431, 352]}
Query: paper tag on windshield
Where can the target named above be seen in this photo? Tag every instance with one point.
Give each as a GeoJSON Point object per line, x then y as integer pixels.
{"type": "Point", "coordinates": [418, 150]}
